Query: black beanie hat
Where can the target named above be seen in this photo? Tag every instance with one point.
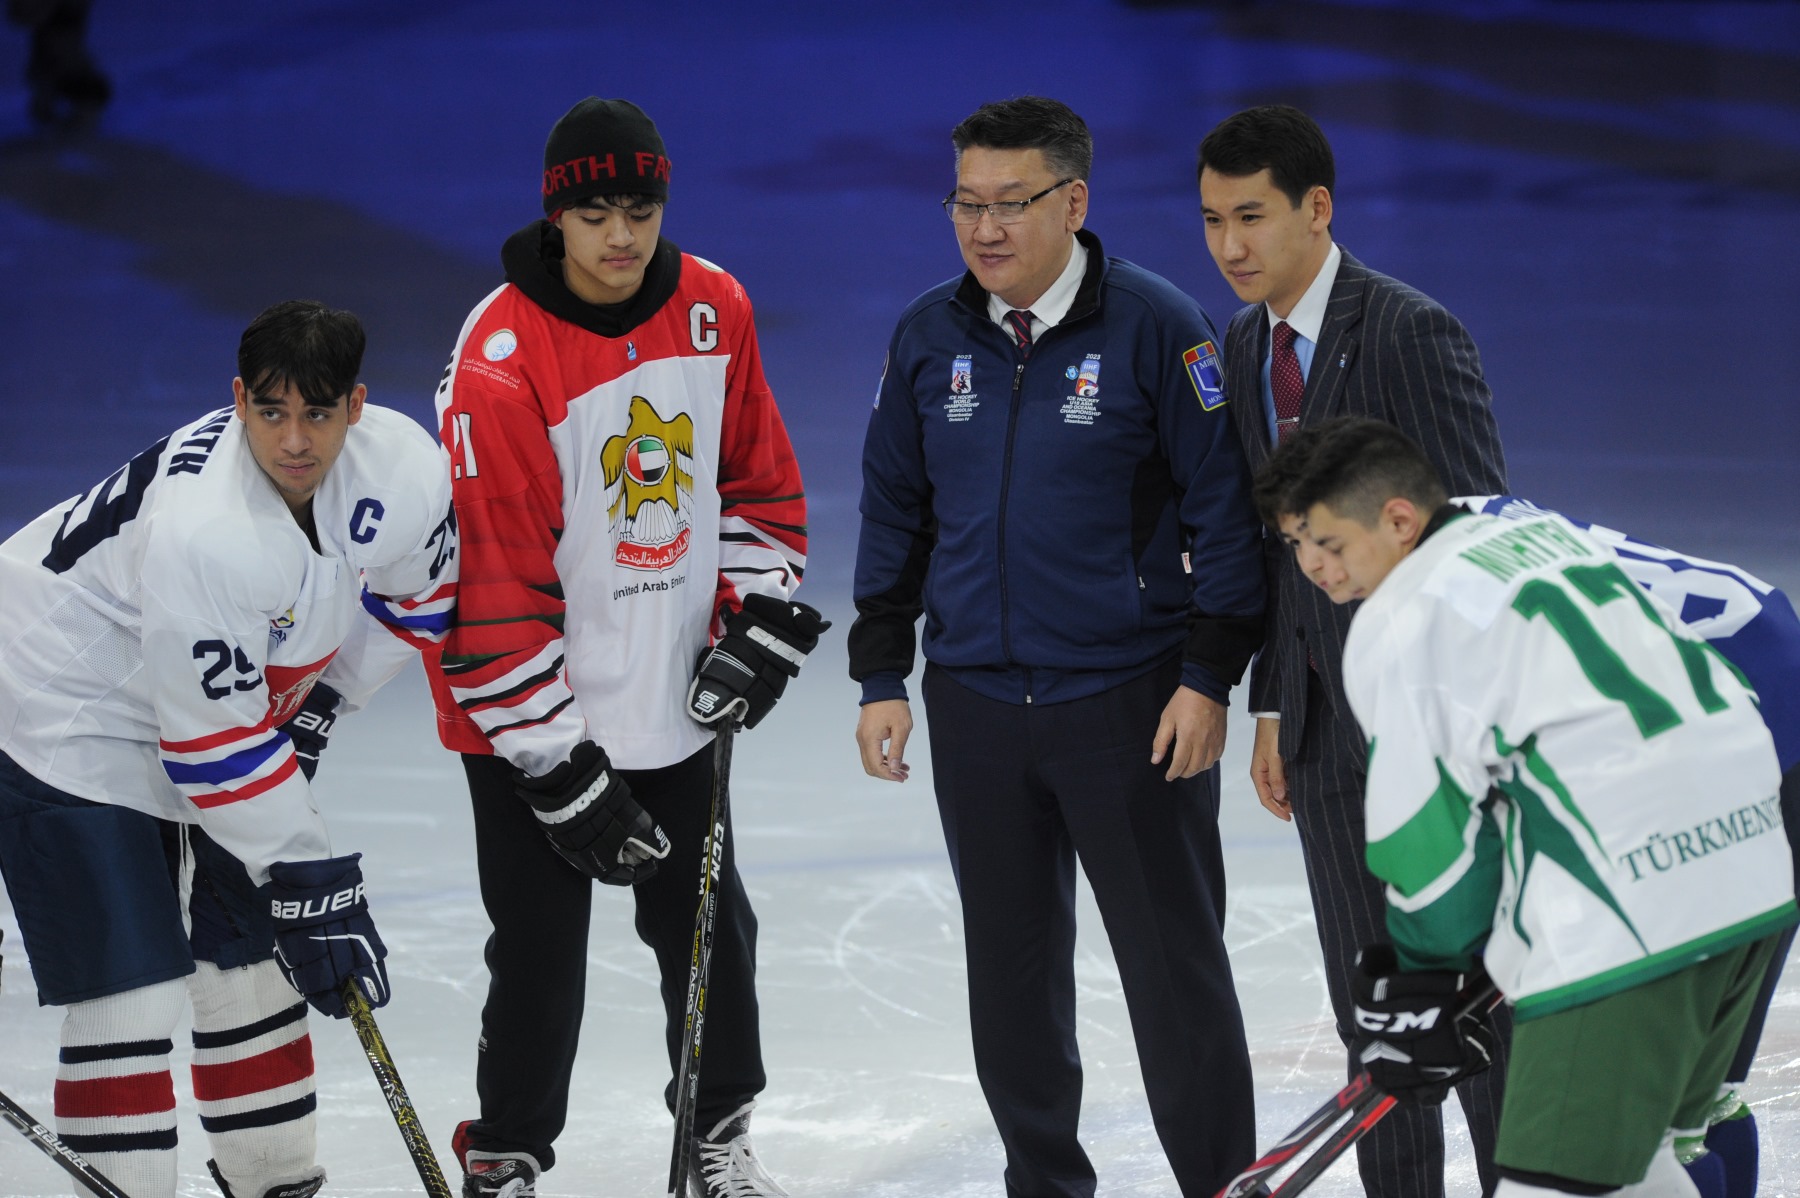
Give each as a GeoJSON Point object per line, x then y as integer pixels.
{"type": "Point", "coordinates": [602, 148]}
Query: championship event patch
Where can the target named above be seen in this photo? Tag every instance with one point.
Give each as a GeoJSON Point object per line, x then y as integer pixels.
{"type": "Point", "coordinates": [1203, 370]}
{"type": "Point", "coordinates": [962, 371]}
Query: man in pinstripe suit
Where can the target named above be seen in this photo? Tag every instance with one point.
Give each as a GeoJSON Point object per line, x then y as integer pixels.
{"type": "Point", "coordinates": [1326, 336]}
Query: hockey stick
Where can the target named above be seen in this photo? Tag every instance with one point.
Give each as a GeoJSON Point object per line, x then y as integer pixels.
{"type": "Point", "coordinates": [1372, 1110]}
{"type": "Point", "coordinates": [1365, 1105]}
{"type": "Point", "coordinates": [72, 1161]}
{"type": "Point", "coordinates": [394, 1090]}
{"type": "Point", "coordinates": [687, 1077]}
{"type": "Point", "coordinates": [1253, 1181]}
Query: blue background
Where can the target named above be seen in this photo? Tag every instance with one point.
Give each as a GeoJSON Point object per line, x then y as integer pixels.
{"type": "Point", "coordinates": [1605, 193]}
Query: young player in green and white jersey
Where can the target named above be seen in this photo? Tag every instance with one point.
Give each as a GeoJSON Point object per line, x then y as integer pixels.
{"type": "Point", "coordinates": [1565, 786]}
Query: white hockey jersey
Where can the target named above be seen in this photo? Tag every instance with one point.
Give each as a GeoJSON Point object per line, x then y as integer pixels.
{"type": "Point", "coordinates": [1750, 621]}
{"type": "Point", "coordinates": [156, 630]}
{"type": "Point", "coordinates": [1633, 825]}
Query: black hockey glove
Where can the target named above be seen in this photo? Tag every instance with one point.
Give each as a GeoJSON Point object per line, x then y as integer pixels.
{"type": "Point", "coordinates": [323, 933]}
{"type": "Point", "coordinates": [765, 644]}
{"type": "Point", "coordinates": [310, 727]}
{"type": "Point", "coordinates": [587, 812]}
{"type": "Point", "coordinates": [1407, 1033]}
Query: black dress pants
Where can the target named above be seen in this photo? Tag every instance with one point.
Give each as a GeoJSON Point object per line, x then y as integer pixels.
{"type": "Point", "coordinates": [1403, 1157]}
{"type": "Point", "coordinates": [537, 957]}
{"type": "Point", "coordinates": [1025, 791]}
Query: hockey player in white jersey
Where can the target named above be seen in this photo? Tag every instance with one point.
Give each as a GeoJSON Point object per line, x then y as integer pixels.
{"type": "Point", "coordinates": [174, 644]}
{"type": "Point", "coordinates": [1566, 787]}
{"type": "Point", "coordinates": [1753, 625]}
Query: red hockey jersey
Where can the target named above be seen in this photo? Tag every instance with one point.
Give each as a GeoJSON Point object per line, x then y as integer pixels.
{"type": "Point", "coordinates": [616, 495]}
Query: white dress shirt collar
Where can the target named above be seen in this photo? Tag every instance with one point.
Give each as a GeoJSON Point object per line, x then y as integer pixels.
{"type": "Point", "coordinates": [1308, 316]}
{"type": "Point", "coordinates": [1055, 303]}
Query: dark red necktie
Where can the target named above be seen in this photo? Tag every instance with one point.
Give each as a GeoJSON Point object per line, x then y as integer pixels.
{"type": "Point", "coordinates": [1285, 381]}
{"type": "Point", "coordinates": [1020, 324]}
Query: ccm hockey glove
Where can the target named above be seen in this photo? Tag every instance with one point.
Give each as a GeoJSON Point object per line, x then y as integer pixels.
{"type": "Point", "coordinates": [310, 727]}
{"type": "Point", "coordinates": [323, 933]}
{"type": "Point", "coordinates": [587, 812]}
{"type": "Point", "coordinates": [1407, 1034]}
{"type": "Point", "coordinates": [765, 644]}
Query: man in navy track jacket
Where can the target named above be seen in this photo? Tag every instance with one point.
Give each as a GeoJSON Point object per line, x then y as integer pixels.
{"type": "Point", "coordinates": [1051, 477]}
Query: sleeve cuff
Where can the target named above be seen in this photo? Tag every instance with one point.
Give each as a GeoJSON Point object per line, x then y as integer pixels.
{"type": "Point", "coordinates": [883, 685]}
{"type": "Point", "coordinates": [1198, 677]}
{"type": "Point", "coordinates": [1266, 715]}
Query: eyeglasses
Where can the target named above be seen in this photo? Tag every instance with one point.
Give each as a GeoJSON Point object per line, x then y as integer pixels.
{"type": "Point", "coordinates": [1006, 212]}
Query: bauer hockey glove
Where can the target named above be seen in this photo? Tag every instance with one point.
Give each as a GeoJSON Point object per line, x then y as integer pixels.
{"type": "Point", "coordinates": [587, 812]}
{"type": "Point", "coordinates": [323, 933]}
{"type": "Point", "coordinates": [1408, 1035]}
{"type": "Point", "coordinates": [765, 644]}
{"type": "Point", "coordinates": [310, 727]}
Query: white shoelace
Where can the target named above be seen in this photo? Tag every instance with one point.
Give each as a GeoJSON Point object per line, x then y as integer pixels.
{"type": "Point", "coordinates": [731, 1170]}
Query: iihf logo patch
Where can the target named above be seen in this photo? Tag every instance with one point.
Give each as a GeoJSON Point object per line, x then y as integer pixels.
{"type": "Point", "coordinates": [499, 346]}
{"type": "Point", "coordinates": [962, 374]}
{"type": "Point", "coordinates": [631, 351]}
{"type": "Point", "coordinates": [1087, 381]}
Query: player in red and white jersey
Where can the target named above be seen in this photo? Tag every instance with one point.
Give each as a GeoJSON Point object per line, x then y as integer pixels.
{"type": "Point", "coordinates": [626, 496]}
{"type": "Point", "coordinates": [174, 646]}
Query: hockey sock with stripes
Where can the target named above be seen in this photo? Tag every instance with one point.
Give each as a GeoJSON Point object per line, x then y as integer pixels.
{"type": "Point", "coordinates": [115, 1100]}
{"type": "Point", "coordinates": [253, 1077]}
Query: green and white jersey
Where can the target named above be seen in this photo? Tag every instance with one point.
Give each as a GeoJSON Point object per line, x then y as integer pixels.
{"type": "Point", "coordinates": [1561, 776]}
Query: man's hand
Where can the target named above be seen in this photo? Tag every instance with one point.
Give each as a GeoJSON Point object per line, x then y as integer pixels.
{"type": "Point", "coordinates": [1408, 1034]}
{"type": "Point", "coordinates": [323, 933]}
{"type": "Point", "coordinates": [310, 727]}
{"type": "Point", "coordinates": [766, 642]}
{"type": "Point", "coordinates": [1195, 725]}
{"type": "Point", "coordinates": [586, 810]}
{"type": "Point", "coordinates": [1267, 773]}
{"type": "Point", "coordinates": [885, 722]}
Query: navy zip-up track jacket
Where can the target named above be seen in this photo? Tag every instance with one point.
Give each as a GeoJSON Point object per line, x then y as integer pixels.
{"type": "Point", "coordinates": [1065, 521]}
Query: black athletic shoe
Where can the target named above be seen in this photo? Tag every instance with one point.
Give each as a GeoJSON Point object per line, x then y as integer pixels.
{"type": "Point", "coordinates": [493, 1174]}
{"type": "Point", "coordinates": [723, 1164]}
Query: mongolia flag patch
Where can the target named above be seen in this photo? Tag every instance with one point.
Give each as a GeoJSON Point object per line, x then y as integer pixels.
{"type": "Point", "coordinates": [1203, 371]}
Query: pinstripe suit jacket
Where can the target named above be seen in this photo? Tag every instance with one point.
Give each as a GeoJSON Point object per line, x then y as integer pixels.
{"type": "Point", "coordinates": [1385, 351]}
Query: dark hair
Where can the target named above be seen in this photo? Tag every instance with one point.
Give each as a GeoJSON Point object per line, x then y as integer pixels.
{"type": "Point", "coordinates": [317, 349]}
{"type": "Point", "coordinates": [1352, 465]}
{"type": "Point", "coordinates": [1276, 137]}
{"type": "Point", "coordinates": [1030, 123]}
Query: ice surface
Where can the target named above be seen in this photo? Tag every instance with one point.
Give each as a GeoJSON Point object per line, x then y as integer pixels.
{"type": "Point", "coordinates": [871, 1086]}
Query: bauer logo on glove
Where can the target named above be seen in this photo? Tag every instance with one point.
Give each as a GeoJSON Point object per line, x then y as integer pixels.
{"type": "Point", "coordinates": [323, 933]}
{"type": "Point", "coordinates": [765, 644]}
{"type": "Point", "coordinates": [310, 728]}
{"type": "Point", "coordinates": [316, 907]}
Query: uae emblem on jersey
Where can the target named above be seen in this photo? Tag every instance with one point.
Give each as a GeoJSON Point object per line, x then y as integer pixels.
{"type": "Point", "coordinates": [649, 472]}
